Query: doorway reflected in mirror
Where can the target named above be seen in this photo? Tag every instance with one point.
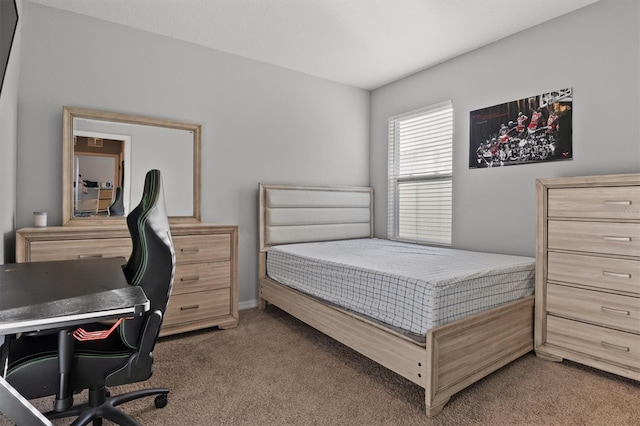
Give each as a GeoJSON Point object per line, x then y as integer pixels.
{"type": "Point", "coordinates": [98, 169]}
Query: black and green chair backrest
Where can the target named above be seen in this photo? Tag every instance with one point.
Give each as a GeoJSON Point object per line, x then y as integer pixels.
{"type": "Point", "coordinates": [152, 257]}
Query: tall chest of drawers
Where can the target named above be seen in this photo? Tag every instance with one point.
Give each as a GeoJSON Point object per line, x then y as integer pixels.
{"type": "Point", "coordinates": [588, 272]}
{"type": "Point", "coordinates": [205, 286]}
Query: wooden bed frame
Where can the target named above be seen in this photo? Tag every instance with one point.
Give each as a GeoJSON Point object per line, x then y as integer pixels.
{"type": "Point", "coordinates": [455, 356]}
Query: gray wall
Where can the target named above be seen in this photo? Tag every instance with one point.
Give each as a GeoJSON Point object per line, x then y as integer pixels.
{"type": "Point", "coordinates": [260, 123]}
{"type": "Point", "coordinates": [266, 124]}
{"type": "Point", "coordinates": [594, 50]}
{"type": "Point", "coordinates": [8, 143]}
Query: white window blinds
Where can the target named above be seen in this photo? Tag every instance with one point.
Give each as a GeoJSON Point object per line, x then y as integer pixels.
{"type": "Point", "coordinates": [420, 175]}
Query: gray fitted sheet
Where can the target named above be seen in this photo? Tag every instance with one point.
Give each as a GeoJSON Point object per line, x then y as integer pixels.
{"type": "Point", "coordinates": [409, 287]}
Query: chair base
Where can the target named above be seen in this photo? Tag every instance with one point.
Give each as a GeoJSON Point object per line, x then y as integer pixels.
{"type": "Point", "coordinates": [100, 406]}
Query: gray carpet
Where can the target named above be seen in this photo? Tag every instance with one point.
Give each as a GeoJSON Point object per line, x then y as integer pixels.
{"type": "Point", "coordinates": [274, 370]}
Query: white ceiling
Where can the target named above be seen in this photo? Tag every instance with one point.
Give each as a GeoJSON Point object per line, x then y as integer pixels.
{"type": "Point", "coordinates": [361, 43]}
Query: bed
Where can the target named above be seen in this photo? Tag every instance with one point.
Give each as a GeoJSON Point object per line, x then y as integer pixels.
{"type": "Point", "coordinates": [451, 337]}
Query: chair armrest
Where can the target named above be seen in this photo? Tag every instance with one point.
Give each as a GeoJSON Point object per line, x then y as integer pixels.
{"type": "Point", "coordinates": [140, 364]}
{"type": "Point", "coordinates": [149, 338]}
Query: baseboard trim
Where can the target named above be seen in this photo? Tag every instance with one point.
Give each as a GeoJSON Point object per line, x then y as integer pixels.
{"type": "Point", "coordinates": [248, 304]}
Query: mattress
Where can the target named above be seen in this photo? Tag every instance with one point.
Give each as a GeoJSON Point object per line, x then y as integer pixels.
{"type": "Point", "coordinates": [410, 288]}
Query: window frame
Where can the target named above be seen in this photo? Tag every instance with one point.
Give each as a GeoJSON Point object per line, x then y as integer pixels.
{"type": "Point", "coordinates": [394, 179]}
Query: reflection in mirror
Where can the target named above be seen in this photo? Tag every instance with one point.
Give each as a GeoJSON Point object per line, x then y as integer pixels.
{"type": "Point", "coordinates": [106, 156]}
{"type": "Point", "coordinates": [98, 170]}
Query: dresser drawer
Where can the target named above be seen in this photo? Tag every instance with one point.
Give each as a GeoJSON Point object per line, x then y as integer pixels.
{"type": "Point", "coordinates": [602, 272]}
{"type": "Point", "coordinates": [79, 249]}
{"type": "Point", "coordinates": [595, 237]}
{"type": "Point", "coordinates": [599, 342]}
{"type": "Point", "coordinates": [197, 306]}
{"type": "Point", "coordinates": [196, 277]}
{"type": "Point", "coordinates": [621, 202]}
{"type": "Point", "coordinates": [609, 310]}
{"type": "Point", "coordinates": [202, 248]}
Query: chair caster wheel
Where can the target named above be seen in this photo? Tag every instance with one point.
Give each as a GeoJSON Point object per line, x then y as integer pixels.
{"type": "Point", "coordinates": [161, 401]}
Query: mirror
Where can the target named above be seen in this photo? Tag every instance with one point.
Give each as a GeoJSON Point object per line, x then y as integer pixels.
{"type": "Point", "coordinates": [106, 156]}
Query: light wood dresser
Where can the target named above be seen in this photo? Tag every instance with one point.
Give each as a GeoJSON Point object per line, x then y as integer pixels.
{"type": "Point", "coordinates": [587, 299]}
{"type": "Point", "coordinates": [205, 287]}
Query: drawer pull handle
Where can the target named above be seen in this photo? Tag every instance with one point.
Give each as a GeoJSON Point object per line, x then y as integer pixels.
{"type": "Point", "coordinates": [190, 250]}
{"type": "Point", "coordinates": [89, 256]}
{"type": "Point", "coordinates": [617, 239]}
{"type": "Point", "coordinates": [191, 278]}
{"type": "Point", "coordinates": [186, 308]}
{"type": "Point", "coordinates": [616, 202]}
{"type": "Point", "coordinates": [616, 274]}
{"type": "Point", "coordinates": [614, 347]}
{"type": "Point", "coordinates": [614, 311]}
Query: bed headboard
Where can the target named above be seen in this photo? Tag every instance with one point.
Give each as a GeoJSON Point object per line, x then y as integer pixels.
{"type": "Point", "coordinates": [297, 214]}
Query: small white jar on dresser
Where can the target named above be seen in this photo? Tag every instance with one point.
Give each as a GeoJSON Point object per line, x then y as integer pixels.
{"type": "Point", "coordinates": [587, 300]}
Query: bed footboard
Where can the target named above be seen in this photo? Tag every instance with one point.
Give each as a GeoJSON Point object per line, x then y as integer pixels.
{"type": "Point", "coordinates": [462, 352]}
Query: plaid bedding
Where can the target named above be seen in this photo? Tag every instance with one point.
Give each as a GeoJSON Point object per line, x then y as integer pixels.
{"type": "Point", "coordinates": [409, 287]}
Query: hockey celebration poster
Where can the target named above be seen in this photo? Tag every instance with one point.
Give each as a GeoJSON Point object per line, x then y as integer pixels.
{"type": "Point", "coordinates": [530, 130]}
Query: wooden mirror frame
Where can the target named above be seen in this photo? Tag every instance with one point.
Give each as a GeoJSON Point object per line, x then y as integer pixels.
{"type": "Point", "coordinates": [69, 113]}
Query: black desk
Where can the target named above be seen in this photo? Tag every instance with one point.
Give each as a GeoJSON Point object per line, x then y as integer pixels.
{"type": "Point", "coordinates": [48, 295]}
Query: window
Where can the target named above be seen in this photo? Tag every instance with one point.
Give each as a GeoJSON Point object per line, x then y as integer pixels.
{"type": "Point", "coordinates": [420, 175]}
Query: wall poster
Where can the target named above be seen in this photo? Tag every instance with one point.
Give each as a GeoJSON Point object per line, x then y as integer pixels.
{"type": "Point", "coordinates": [530, 130]}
